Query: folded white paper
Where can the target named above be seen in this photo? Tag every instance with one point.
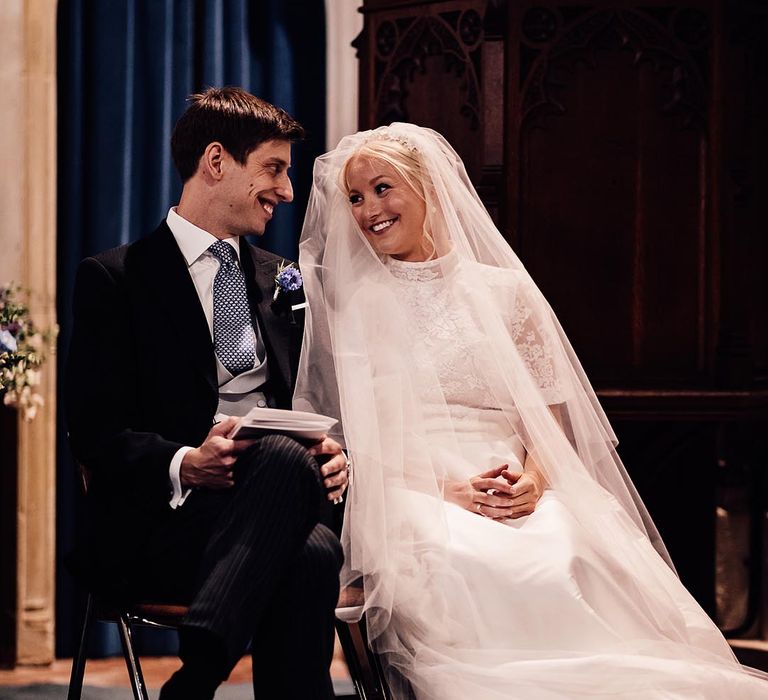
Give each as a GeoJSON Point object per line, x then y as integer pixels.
{"type": "Point", "coordinates": [297, 424]}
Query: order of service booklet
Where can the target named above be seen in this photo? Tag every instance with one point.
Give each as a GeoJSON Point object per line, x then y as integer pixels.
{"type": "Point", "coordinates": [297, 424]}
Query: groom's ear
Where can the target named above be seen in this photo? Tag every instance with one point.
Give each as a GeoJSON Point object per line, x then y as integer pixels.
{"type": "Point", "coordinates": [212, 161]}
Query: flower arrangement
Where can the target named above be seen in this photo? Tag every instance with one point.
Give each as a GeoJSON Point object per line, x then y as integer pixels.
{"type": "Point", "coordinates": [287, 279]}
{"type": "Point", "coordinates": [22, 352]}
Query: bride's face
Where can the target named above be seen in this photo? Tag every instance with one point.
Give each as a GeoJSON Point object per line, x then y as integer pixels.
{"type": "Point", "coordinates": [388, 211]}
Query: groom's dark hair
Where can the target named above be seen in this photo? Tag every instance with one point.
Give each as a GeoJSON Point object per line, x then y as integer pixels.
{"type": "Point", "coordinates": [241, 122]}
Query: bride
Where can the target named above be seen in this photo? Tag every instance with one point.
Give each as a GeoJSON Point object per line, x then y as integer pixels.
{"type": "Point", "coordinates": [503, 550]}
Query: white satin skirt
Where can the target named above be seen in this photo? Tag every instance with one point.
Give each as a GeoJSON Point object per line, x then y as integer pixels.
{"type": "Point", "coordinates": [535, 609]}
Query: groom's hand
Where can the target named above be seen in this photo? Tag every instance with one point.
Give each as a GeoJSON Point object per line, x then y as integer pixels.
{"type": "Point", "coordinates": [210, 465]}
{"type": "Point", "coordinates": [333, 466]}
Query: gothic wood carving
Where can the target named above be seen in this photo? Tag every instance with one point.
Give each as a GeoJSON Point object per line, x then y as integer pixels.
{"type": "Point", "coordinates": [546, 66]}
{"type": "Point", "coordinates": [403, 47]}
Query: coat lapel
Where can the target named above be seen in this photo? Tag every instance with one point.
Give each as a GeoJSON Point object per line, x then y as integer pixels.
{"type": "Point", "coordinates": [260, 274]}
{"type": "Point", "coordinates": [170, 285]}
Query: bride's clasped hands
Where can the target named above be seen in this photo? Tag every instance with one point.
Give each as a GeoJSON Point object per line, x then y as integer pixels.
{"type": "Point", "coordinates": [498, 493]}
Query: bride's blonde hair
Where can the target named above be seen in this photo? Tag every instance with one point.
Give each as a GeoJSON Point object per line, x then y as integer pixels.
{"type": "Point", "coordinates": [407, 164]}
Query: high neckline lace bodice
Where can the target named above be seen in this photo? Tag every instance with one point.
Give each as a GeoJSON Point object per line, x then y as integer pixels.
{"type": "Point", "coordinates": [447, 341]}
{"type": "Point", "coordinates": [426, 271]}
{"type": "Point", "coordinates": [451, 345]}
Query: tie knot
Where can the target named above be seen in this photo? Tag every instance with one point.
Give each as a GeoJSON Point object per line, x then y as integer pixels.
{"type": "Point", "coordinates": [224, 252]}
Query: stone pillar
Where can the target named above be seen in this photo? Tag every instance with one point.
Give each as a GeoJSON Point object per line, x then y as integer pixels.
{"type": "Point", "coordinates": [28, 243]}
{"type": "Point", "coordinates": [343, 23]}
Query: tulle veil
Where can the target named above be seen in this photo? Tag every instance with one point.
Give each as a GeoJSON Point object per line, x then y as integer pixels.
{"type": "Point", "coordinates": [359, 364]}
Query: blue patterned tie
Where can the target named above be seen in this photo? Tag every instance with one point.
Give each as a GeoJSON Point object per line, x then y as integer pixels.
{"type": "Point", "coordinates": [232, 329]}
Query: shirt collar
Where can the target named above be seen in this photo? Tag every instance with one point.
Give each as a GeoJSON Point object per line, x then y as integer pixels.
{"type": "Point", "coordinates": [192, 240]}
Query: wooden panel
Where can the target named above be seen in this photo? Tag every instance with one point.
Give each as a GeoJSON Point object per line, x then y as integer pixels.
{"type": "Point", "coordinates": [412, 49]}
{"type": "Point", "coordinates": [743, 113]}
{"type": "Point", "coordinates": [611, 136]}
{"type": "Point", "coordinates": [674, 469]}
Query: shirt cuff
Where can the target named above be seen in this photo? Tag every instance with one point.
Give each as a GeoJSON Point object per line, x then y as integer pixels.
{"type": "Point", "coordinates": [174, 473]}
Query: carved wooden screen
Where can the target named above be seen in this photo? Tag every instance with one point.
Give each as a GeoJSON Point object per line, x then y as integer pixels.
{"type": "Point", "coordinates": [422, 63]}
{"type": "Point", "coordinates": [607, 194]}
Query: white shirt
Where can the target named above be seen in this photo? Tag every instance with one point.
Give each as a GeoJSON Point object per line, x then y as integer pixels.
{"type": "Point", "coordinates": [203, 266]}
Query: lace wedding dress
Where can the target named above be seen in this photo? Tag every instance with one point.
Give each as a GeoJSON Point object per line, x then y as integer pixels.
{"type": "Point", "coordinates": [532, 608]}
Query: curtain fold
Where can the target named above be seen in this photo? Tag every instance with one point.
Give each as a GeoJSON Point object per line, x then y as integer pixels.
{"type": "Point", "coordinates": [125, 68]}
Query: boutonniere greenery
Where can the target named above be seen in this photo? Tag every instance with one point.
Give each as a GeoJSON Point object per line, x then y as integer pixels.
{"type": "Point", "coordinates": [22, 351]}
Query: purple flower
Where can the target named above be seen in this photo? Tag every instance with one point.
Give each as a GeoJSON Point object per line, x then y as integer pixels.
{"type": "Point", "coordinates": [289, 279]}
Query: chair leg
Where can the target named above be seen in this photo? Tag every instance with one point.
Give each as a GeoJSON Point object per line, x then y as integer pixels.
{"type": "Point", "coordinates": [78, 662]}
{"type": "Point", "coordinates": [364, 667]}
{"type": "Point", "coordinates": [131, 660]}
{"type": "Point", "coordinates": [350, 656]}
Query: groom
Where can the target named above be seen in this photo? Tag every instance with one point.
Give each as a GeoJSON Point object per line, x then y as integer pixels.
{"type": "Point", "coordinates": [174, 336]}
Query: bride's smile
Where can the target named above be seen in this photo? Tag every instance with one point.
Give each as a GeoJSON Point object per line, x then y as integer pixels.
{"type": "Point", "coordinates": [380, 226]}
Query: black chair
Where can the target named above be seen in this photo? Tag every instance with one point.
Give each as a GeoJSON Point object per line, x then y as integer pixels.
{"type": "Point", "coordinates": [149, 614]}
{"type": "Point", "coordinates": [364, 667]}
{"type": "Point", "coordinates": [156, 615]}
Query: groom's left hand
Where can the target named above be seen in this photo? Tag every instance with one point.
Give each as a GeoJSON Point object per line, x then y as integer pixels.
{"type": "Point", "coordinates": [334, 469]}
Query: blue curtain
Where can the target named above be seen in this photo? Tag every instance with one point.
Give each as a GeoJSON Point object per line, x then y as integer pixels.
{"type": "Point", "coordinates": [125, 70]}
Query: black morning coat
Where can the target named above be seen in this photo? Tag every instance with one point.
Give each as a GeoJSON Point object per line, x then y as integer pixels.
{"type": "Point", "coordinates": [141, 383]}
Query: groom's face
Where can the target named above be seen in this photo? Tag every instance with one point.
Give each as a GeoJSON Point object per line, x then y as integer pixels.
{"type": "Point", "coordinates": [252, 191]}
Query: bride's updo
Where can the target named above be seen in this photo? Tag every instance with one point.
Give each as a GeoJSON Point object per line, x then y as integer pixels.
{"type": "Point", "coordinates": [402, 157]}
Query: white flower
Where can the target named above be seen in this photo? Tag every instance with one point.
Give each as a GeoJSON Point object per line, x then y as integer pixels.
{"type": "Point", "coordinates": [8, 342]}
{"type": "Point", "coordinates": [21, 355]}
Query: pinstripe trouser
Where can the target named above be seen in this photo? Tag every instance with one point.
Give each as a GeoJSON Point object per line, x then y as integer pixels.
{"type": "Point", "coordinates": [257, 562]}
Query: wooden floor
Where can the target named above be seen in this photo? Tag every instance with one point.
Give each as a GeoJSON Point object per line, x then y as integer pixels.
{"type": "Point", "coordinates": [112, 673]}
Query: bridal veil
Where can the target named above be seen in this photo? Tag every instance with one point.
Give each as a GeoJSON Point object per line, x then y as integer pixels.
{"type": "Point", "coordinates": [360, 364]}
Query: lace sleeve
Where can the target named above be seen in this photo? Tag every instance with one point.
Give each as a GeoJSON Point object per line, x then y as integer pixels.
{"type": "Point", "coordinates": [533, 341]}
